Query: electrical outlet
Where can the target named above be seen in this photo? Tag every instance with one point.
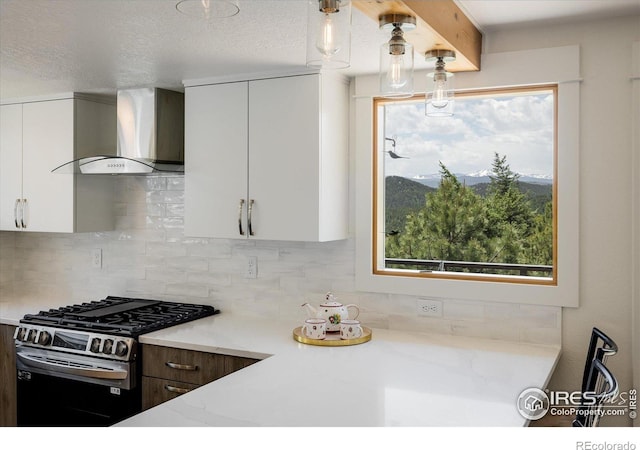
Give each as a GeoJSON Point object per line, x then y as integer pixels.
{"type": "Point", "coordinates": [429, 308]}
{"type": "Point", "coordinates": [96, 258]}
{"type": "Point", "coordinates": [252, 267]}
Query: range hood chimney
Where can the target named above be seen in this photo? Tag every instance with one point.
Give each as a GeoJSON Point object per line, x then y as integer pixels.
{"type": "Point", "coordinates": [150, 123]}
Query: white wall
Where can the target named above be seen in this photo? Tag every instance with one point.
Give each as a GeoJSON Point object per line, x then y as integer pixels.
{"type": "Point", "coordinates": [606, 168]}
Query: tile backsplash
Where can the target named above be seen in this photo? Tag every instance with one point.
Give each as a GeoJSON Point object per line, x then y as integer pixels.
{"type": "Point", "coordinates": [148, 256]}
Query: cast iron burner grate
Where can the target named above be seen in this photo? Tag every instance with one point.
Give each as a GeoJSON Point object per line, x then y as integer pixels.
{"type": "Point", "coordinates": [121, 316]}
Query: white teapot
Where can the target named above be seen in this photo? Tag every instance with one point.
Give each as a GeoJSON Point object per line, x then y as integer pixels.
{"type": "Point", "coordinates": [332, 311]}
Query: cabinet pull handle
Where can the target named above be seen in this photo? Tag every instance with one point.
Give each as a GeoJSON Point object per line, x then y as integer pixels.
{"type": "Point", "coordinates": [175, 389]}
{"type": "Point", "coordinates": [181, 366]}
{"type": "Point", "coordinates": [24, 205]}
{"type": "Point", "coordinates": [15, 212]}
{"type": "Point", "coordinates": [250, 225]}
{"type": "Point", "coordinates": [240, 207]}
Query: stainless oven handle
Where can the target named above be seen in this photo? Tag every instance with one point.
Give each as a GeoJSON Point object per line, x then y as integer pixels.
{"type": "Point", "coordinates": [112, 374]}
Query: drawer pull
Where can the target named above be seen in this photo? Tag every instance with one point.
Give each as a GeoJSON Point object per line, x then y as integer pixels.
{"type": "Point", "coordinates": [176, 390]}
{"type": "Point", "coordinates": [181, 366]}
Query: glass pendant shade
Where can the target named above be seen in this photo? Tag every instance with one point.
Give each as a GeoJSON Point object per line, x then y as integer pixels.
{"type": "Point", "coordinates": [329, 34]}
{"type": "Point", "coordinates": [439, 99]}
{"type": "Point", "coordinates": [396, 56]}
{"type": "Point", "coordinates": [396, 71]}
{"type": "Point", "coordinates": [209, 9]}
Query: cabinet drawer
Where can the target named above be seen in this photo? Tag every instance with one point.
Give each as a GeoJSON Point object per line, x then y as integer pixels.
{"type": "Point", "coordinates": [157, 390]}
{"type": "Point", "coordinates": [188, 366]}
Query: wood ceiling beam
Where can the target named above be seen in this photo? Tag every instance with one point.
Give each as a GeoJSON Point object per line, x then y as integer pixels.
{"type": "Point", "coordinates": [440, 24]}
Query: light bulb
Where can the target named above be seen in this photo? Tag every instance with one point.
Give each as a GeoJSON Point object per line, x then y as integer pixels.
{"type": "Point", "coordinates": [397, 73]}
{"type": "Point", "coordinates": [439, 97]}
{"type": "Point", "coordinates": [327, 41]}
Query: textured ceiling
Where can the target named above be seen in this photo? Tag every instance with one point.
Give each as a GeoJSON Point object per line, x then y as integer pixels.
{"type": "Point", "coordinates": [102, 45]}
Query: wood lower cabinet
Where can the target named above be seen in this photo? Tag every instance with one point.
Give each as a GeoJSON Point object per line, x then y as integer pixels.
{"type": "Point", "coordinates": [169, 372]}
{"type": "Point", "coordinates": [8, 404]}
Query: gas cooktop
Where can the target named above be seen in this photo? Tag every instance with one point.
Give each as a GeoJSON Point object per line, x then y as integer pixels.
{"type": "Point", "coordinates": [120, 316]}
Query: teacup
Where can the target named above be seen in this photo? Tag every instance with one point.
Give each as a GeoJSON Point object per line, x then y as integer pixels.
{"type": "Point", "coordinates": [314, 328]}
{"type": "Point", "coordinates": [350, 329]}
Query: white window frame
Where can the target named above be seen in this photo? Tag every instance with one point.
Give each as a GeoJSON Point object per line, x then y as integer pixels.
{"type": "Point", "coordinates": [559, 65]}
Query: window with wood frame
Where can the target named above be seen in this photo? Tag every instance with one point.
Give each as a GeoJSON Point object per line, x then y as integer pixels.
{"type": "Point", "coordinates": [471, 196]}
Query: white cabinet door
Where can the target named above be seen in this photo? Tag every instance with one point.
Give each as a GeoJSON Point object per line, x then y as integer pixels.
{"type": "Point", "coordinates": [261, 143]}
{"type": "Point", "coordinates": [284, 156]}
{"type": "Point", "coordinates": [39, 136]}
{"type": "Point", "coordinates": [10, 164]}
{"type": "Point", "coordinates": [48, 141]}
{"type": "Point", "coordinates": [216, 160]}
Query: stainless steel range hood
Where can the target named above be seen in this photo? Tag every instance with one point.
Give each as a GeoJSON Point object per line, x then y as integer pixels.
{"type": "Point", "coordinates": [150, 132]}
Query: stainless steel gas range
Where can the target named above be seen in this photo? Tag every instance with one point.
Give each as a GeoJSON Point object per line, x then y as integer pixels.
{"type": "Point", "coordinates": [81, 365]}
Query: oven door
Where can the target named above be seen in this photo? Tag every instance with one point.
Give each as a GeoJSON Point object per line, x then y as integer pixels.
{"type": "Point", "coordinates": [59, 389]}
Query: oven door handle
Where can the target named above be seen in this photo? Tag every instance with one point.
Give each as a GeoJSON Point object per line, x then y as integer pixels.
{"type": "Point", "coordinates": [89, 372]}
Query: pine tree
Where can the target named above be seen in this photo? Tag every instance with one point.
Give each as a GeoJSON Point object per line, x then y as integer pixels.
{"type": "Point", "coordinates": [502, 178]}
{"type": "Point", "coordinates": [449, 227]}
{"type": "Point", "coordinates": [506, 203]}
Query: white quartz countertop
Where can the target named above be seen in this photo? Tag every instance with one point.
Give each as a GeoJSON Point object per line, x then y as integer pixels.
{"type": "Point", "coordinates": [14, 309]}
{"type": "Point", "coordinates": [396, 379]}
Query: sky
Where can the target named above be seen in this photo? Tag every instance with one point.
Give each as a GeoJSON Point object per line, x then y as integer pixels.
{"type": "Point", "coordinates": [520, 127]}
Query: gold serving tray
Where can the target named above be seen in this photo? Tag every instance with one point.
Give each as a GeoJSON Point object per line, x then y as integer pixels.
{"type": "Point", "coordinates": [332, 339]}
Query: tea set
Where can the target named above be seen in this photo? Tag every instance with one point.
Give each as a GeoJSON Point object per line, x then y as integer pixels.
{"type": "Point", "coordinates": [331, 317]}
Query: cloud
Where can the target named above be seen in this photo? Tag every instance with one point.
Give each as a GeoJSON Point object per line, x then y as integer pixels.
{"type": "Point", "coordinates": [518, 126]}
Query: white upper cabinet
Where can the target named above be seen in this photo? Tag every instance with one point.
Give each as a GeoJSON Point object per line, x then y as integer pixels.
{"type": "Point", "coordinates": [37, 137]}
{"type": "Point", "coordinates": [268, 159]}
{"type": "Point", "coordinates": [215, 160]}
{"type": "Point", "coordinates": [10, 166]}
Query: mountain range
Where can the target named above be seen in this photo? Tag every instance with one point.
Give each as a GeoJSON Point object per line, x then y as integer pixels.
{"type": "Point", "coordinates": [471, 179]}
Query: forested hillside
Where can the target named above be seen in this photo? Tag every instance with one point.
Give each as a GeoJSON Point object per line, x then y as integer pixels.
{"type": "Point", "coordinates": [403, 195]}
{"type": "Point", "coordinates": [504, 221]}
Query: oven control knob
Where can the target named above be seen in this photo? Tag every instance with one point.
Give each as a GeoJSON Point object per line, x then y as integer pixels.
{"type": "Point", "coordinates": [21, 334]}
{"type": "Point", "coordinates": [43, 338]}
{"type": "Point", "coordinates": [95, 345]}
{"type": "Point", "coordinates": [107, 347]}
{"type": "Point", "coordinates": [31, 336]}
{"type": "Point", "coordinates": [121, 348]}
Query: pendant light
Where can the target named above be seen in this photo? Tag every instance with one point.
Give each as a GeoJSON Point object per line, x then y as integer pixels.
{"type": "Point", "coordinates": [329, 34]}
{"type": "Point", "coordinates": [396, 57]}
{"type": "Point", "coordinates": [439, 99]}
{"type": "Point", "coordinates": [208, 9]}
